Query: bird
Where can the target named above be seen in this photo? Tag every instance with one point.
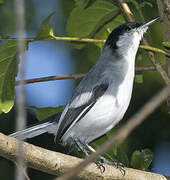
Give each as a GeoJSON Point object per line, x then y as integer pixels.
{"type": "Point", "coordinates": [102, 97]}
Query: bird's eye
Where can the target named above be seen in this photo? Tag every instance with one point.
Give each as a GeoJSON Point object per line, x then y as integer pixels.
{"type": "Point", "coordinates": [128, 29]}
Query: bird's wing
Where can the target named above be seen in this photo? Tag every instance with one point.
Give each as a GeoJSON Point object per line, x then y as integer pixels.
{"type": "Point", "coordinates": [75, 114]}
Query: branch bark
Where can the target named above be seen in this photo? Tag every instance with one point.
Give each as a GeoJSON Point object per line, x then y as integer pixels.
{"type": "Point", "coordinates": [73, 76]}
{"type": "Point", "coordinates": [56, 163]}
{"type": "Point", "coordinates": [164, 10]}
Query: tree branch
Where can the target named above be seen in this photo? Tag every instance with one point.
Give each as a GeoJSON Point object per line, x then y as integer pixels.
{"type": "Point", "coordinates": [150, 48]}
{"type": "Point", "coordinates": [56, 163]}
{"type": "Point", "coordinates": [52, 78]}
{"type": "Point", "coordinates": [164, 10]}
{"type": "Point", "coordinates": [77, 39]}
{"type": "Point", "coordinates": [73, 76]}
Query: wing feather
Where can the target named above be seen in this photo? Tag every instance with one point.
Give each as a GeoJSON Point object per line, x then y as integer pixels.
{"type": "Point", "coordinates": [73, 115]}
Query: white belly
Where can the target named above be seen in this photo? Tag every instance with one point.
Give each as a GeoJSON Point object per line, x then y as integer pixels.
{"type": "Point", "coordinates": [102, 117]}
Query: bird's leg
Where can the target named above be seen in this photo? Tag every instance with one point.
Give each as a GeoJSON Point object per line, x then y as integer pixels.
{"type": "Point", "coordinates": [82, 148]}
{"type": "Point", "coordinates": [105, 161]}
{"type": "Point", "coordinates": [101, 158]}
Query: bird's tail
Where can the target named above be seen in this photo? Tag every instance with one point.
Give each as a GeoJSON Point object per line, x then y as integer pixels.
{"type": "Point", "coordinates": [49, 125]}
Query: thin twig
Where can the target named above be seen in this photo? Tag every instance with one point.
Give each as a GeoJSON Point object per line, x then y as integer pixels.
{"type": "Point", "coordinates": [52, 78]}
{"type": "Point", "coordinates": [166, 8]}
{"type": "Point", "coordinates": [73, 76]}
{"type": "Point", "coordinates": [122, 133]}
{"type": "Point", "coordinates": [76, 39]}
{"type": "Point", "coordinates": [20, 100]}
{"type": "Point", "coordinates": [150, 48]}
{"type": "Point", "coordinates": [26, 174]}
{"type": "Point", "coordinates": [145, 68]}
{"type": "Point", "coordinates": [125, 10]}
{"type": "Point", "coordinates": [164, 11]}
{"type": "Point", "coordinates": [157, 65]}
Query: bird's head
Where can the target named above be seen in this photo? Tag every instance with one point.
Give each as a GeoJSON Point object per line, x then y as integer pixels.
{"type": "Point", "coordinates": [128, 35]}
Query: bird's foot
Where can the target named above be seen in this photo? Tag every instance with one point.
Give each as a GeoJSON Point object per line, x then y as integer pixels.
{"type": "Point", "coordinates": [118, 165]}
{"type": "Point", "coordinates": [99, 162]}
{"type": "Point", "coordinates": [100, 166]}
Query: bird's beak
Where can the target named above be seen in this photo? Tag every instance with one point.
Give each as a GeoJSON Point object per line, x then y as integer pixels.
{"type": "Point", "coordinates": [150, 22]}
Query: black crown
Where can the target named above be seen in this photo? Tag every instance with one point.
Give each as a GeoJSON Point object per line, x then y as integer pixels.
{"type": "Point", "coordinates": [120, 30]}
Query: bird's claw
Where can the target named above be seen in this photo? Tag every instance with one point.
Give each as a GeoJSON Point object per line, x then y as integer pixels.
{"type": "Point", "coordinates": [100, 166]}
{"type": "Point", "coordinates": [118, 165]}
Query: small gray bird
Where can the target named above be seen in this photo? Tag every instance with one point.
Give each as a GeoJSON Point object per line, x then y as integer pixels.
{"type": "Point", "coordinates": [102, 97]}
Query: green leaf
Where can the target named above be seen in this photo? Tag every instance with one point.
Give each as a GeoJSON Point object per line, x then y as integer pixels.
{"type": "Point", "coordinates": [143, 4]}
{"type": "Point", "coordinates": [139, 78]}
{"type": "Point", "coordinates": [140, 5]}
{"type": "Point", "coordinates": [43, 113]}
{"type": "Point", "coordinates": [83, 23]}
{"type": "Point", "coordinates": [82, 3]}
{"type": "Point", "coordinates": [101, 34]}
{"type": "Point", "coordinates": [141, 159]}
{"type": "Point", "coordinates": [121, 156]}
{"type": "Point", "coordinates": [86, 22]}
{"type": "Point", "coordinates": [118, 20]}
{"type": "Point", "coordinates": [104, 32]}
{"type": "Point", "coordinates": [45, 30]}
{"type": "Point", "coordinates": [1, 1]}
{"type": "Point", "coordinates": [166, 44]}
{"type": "Point", "coordinates": [136, 4]}
{"type": "Point", "coordinates": [9, 69]}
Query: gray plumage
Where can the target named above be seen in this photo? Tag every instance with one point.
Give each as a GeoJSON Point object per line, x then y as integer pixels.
{"type": "Point", "coordinates": [103, 96]}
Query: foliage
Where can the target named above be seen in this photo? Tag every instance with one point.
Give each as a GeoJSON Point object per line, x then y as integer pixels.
{"type": "Point", "coordinates": [9, 66]}
{"type": "Point", "coordinates": [9, 69]}
{"type": "Point", "coordinates": [94, 18]}
{"type": "Point", "coordinates": [120, 156]}
{"type": "Point", "coordinates": [166, 44]}
{"type": "Point", "coordinates": [87, 19]}
{"type": "Point", "coordinates": [139, 159]}
{"type": "Point", "coordinates": [139, 78]}
{"type": "Point", "coordinates": [45, 30]}
{"type": "Point", "coordinates": [44, 113]}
